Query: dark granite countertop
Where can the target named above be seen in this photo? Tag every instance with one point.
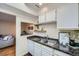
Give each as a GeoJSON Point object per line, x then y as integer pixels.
{"type": "Point", "coordinates": [56, 47]}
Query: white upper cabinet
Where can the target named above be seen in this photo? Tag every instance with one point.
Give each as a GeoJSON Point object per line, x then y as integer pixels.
{"type": "Point", "coordinates": [51, 16]}
{"type": "Point", "coordinates": [42, 18]}
{"type": "Point", "coordinates": [48, 16]}
{"type": "Point", "coordinates": [67, 17]}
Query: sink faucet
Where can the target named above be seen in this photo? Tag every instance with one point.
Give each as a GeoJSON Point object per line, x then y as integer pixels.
{"type": "Point", "coordinates": [47, 36]}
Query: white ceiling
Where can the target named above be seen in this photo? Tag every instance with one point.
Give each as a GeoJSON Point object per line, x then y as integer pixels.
{"type": "Point", "coordinates": [37, 7]}
{"type": "Point", "coordinates": [22, 7]}
{"type": "Point", "coordinates": [33, 6]}
{"type": "Point", "coordinates": [7, 17]}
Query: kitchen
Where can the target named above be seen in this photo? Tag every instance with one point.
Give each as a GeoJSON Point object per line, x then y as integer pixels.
{"type": "Point", "coordinates": [46, 29]}
{"type": "Point", "coordinates": [56, 32]}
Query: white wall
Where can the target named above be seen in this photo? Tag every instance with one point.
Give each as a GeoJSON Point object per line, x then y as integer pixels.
{"type": "Point", "coordinates": [7, 27]}
{"type": "Point", "coordinates": [51, 29]}
{"type": "Point", "coordinates": [21, 41]}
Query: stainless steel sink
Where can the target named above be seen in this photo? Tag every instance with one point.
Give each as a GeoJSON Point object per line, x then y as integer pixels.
{"type": "Point", "coordinates": [36, 39]}
{"type": "Point", "coordinates": [46, 41]}
{"type": "Point", "coordinates": [49, 42]}
{"type": "Point", "coordinates": [52, 42]}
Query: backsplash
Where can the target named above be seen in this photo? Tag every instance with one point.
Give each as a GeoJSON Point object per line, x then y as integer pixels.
{"type": "Point", "coordinates": [74, 34]}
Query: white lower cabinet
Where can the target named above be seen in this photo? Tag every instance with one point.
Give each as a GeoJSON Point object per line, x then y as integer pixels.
{"type": "Point", "coordinates": [46, 51]}
{"type": "Point", "coordinates": [37, 49]}
{"type": "Point", "coordinates": [30, 46]}
{"type": "Point", "coordinates": [58, 53]}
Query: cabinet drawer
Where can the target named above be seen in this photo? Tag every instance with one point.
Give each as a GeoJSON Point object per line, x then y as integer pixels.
{"type": "Point", "coordinates": [59, 53]}
{"type": "Point", "coordinates": [37, 54]}
{"type": "Point", "coordinates": [37, 44]}
{"type": "Point", "coordinates": [46, 54]}
{"type": "Point", "coordinates": [47, 51]}
{"type": "Point", "coordinates": [45, 48]}
{"type": "Point", "coordinates": [36, 48]}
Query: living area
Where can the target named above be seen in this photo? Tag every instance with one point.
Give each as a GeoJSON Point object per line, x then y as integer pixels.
{"type": "Point", "coordinates": [7, 34]}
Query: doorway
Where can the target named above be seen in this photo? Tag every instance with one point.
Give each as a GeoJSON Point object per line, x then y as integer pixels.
{"type": "Point", "coordinates": [7, 34]}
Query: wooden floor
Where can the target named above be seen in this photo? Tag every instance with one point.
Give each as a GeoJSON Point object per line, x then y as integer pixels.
{"type": "Point", "coordinates": [8, 51]}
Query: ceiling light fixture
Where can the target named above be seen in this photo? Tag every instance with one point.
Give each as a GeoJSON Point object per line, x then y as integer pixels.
{"type": "Point", "coordinates": [40, 3]}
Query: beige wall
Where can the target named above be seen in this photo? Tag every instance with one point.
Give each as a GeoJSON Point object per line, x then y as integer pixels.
{"type": "Point", "coordinates": [51, 30]}
{"type": "Point", "coordinates": [7, 28]}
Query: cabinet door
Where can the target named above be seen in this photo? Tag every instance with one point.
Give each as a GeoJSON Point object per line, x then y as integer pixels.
{"type": "Point", "coordinates": [59, 53]}
{"type": "Point", "coordinates": [67, 16]}
{"type": "Point", "coordinates": [42, 18]}
{"type": "Point", "coordinates": [51, 16]}
{"type": "Point", "coordinates": [30, 47]}
{"type": "Point", "coordinates": [46, 51]}
{"type": "Point", "coordinates": [37, 49]}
